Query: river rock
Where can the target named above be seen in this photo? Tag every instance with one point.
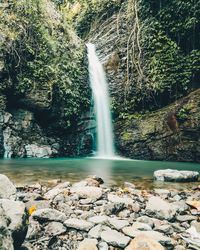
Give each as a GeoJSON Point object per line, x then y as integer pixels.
{"type": "Point", "coordinates": [166, 229]}
{"type": "Point", "coordinates": [80, 184]}
{"type": "Point", "coordinates": [25, 197]}
{"type": "Point", "coordinates": [87, 192]}
{"type": "Point", "coordinates": [180, 248]}
{"type": "Point", "coordinates": [18, 218]}
{"type": "Point", "coordinates": [194, 203]}
{"type": "Point", "coordinates": [55, 228]}
{"type": "Point", "coordinates": [34, 230]}
{"type": "Point", "coordinates": [94, 180]}
{"type": "Point", "coordinates": [196, 225]}
{"type": "Point", "coordinates": [125, 213]}
{"type": "Point", "coordinates": [128, 202]}
{"type": "Point", "coordinates": [60, 188]}
{"type": "Point", "coordinates": [159, 237]}
{"type": "Point", "coordinates": [146, 220]}
{"type": "Point", "coordinates": [78, 224]}
{"type": "Point", "coordinates": [176, 175]}
{"type": "Point", "coordinates": [95, 232]}
{"type": "Point", "coordinates": [162, 192]}
{"type": "Point", "coordinates": [88, 244]}
{"type": "Point", "coordinates": [160, 209]}
{"type": "Point", "coordinates": [38, 204]}
{"type": "Point", "coordinates": [142, 242]}
{"type": "Point", "coordinates": [141, 226]}
{"type": "Point", "coordinates": [112, 208]}
{"type": "Point", "coordinates": [7, 189]}
{"type": "Point", "coordinates": [48, 214]}
{"type": "Point", "coordinates": [103, 246]}
{"type": "Point", "coordinates": [118, 224]}
{"type": "Point", "coordinates": [6, 241]}
{"type": "Point", "coordinates": [180, 206]}
{"type": "Point", "coordinates": [129, 185]}
{"type": "Point", "coordinates": [115, 238]}
{"type": "Point", "coordinates": [4, 221]}
{"type": "Point", "coordinates": [183, 218]}
{"type": "Point", "coordinates": [98, 219]}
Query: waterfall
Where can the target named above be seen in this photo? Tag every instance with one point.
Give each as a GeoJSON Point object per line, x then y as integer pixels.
{"type": "Point", "coordinates": [105, 144]}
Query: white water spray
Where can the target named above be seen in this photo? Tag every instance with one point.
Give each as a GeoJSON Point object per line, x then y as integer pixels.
{"type": "Point", "coordinates": [105, 144]}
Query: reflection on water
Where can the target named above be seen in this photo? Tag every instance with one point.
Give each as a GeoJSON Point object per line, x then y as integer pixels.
{"type": "Point", "coordinates": [101, 168]}
{"type": "Point", "coordinates": [114, 172]}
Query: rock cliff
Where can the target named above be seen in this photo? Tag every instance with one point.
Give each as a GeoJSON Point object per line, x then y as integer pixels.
{"type": "Point", "coordinates": [171, 133]}
{"type": "Point", "coordinates": [43, 82]}
{"type": "Point", "coordinates": [44, 90]}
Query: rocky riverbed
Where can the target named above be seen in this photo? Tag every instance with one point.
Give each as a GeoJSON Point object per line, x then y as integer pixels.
{"type": "Point", "coordinates": [90, 215]}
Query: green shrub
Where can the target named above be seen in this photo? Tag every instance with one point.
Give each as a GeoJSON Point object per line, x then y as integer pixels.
{"type": "Point", "coordinates": [44, 51]}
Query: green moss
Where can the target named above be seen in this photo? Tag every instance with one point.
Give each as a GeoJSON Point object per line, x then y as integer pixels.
{"type": "Point", "coordinates": [127, 136]}
{"type": "Point", "coordinates": [182, 114]}
{"type": "Point", "coordinates": [185, 111]}
{"type": "Point", "coordinates": [189, 106]}
{"type": "Point", "coordinates": [130, 117]}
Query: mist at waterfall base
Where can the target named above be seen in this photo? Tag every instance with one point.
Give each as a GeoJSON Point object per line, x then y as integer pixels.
{"type": "Point", "coordinates": [99, 86]}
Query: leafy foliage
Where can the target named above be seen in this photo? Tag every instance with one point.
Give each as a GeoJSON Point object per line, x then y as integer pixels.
{"type": "Point", "coordinates": [170, 41]}
{"type": "Point", "coordinates": [166, 47]}
{"type": "Point", "coordinates": [44, 53]}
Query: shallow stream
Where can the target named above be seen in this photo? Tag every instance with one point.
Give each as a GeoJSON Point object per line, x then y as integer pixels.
{"type": "Point", "coordinates": [114, 172]}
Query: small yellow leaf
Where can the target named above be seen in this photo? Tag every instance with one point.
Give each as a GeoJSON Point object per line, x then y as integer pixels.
{"type": "Point", "coordinates": [31, 210]}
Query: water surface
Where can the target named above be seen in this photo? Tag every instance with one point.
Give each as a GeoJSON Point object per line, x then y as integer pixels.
{"type": "Point", "coordinates": [114, 172]}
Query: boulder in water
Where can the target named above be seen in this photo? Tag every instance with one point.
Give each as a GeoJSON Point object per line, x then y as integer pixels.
{"type": "Point", "coordinates": [176, 175]}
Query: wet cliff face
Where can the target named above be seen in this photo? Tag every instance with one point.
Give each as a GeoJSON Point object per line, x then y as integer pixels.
{"type": "Point", "coordinates": [172, 133]}
{"type": "Point", "coordinates": [24, 134]}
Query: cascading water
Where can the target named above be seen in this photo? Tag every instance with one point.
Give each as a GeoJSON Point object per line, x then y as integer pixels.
{"type": "Point", "coordinates": [105, 144]}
